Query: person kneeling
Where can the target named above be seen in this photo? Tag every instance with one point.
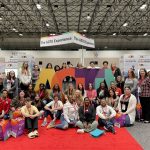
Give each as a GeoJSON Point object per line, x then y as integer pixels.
{"type": "Point", "coordinates": [106, 116]}
{"type": "Point", "coordinates": [31, 114]}
{"type": "Point", "coordinates": [87, 116]}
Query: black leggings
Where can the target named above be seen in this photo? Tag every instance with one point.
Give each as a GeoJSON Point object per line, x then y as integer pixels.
{"type": "Point", "coordinates": [23, 87]}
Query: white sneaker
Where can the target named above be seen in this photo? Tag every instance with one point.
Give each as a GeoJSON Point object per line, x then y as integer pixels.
{"type": "Point", "coordinates": [105, 128]}
{"type": "Point", "coordinates": [36, 133]}
{"type": "Point", "coordinates": [31, 135]}
{"type": "Point", "coordinates": [146, 121]}
{"type": "Point", "coordinates": [80, 131]}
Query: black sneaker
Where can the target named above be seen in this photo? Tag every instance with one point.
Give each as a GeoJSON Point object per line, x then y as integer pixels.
{"type": "Point", "coordinates": [112, 130]}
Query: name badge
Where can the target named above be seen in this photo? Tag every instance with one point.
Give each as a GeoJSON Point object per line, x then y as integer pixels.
{"type": "Point", "coordinates": [123, 107]}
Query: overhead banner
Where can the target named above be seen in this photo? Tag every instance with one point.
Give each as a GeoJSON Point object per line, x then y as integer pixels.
{"type": "Point", "coordinates": [67, 38]}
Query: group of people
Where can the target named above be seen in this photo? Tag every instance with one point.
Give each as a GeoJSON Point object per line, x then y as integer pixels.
{"type": "Point", "coordinates": [74, 106]}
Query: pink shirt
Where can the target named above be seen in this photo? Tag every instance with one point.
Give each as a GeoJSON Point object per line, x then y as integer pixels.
{"type": "Point", "coordinates": [91, 94]}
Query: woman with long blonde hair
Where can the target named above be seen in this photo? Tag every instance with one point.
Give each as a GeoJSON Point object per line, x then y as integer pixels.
{"type": "Point", "coordinates": [24, 76]}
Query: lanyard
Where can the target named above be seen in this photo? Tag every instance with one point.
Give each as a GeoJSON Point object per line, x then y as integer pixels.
{"type": "Point", "coordinates": [104, 110]}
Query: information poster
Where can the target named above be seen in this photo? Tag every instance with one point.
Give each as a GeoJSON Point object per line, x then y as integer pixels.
{"type": "Point", "coordinates": [16, 59]}
{"type": "Point", "coordinates": [130, 62]}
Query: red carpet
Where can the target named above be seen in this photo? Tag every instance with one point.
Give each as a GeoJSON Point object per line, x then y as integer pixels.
{"type": "Point", "coordinates": [54, 139]}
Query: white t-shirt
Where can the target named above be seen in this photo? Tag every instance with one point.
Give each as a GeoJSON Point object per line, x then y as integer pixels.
{"type": "Point", "coordinates": [70, 111]}
{"type": "Point", "coordinates": [54, 104]}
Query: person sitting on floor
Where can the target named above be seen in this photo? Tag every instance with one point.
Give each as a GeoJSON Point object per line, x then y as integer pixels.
{"type": "Point", "coordinates": [4, 105]}
{"type": "Point", "coordinates": [70, 114]}
{"type": "Point", "coordinates": [127, 106]}
{"type": "Point", "coordinates": [106, 116]}
{"type": "Point", "coordinates": [54, 109]}
{"type": "Point", "coordinates": [31, 114]}
{"type": "Point", "coordinates": [18, 101]}
{"type": "Point", "coordinates": [112, 100]}
{"type": "Point", "coordinates": [87, 116]}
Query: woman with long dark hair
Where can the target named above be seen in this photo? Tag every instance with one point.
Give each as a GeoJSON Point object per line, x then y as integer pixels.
{"type": "Point", "coordinates": [57, 68]}
{"type": "Point", "coordinates": [112, 99]}
{"type": "Point", "coordinates": [132, 82]}
{"type": "Point", "coordinates": [49, 66]}
{"type": "Point", "coordinates": [87, 116]}
{"type": "Point", "coordinates": [11, 84]}
{"type": "Point", "coordinates": [30, 92]}
{"type": "Point", "coordinates": [81, 89]}
{"type": "Point", "coordinates": [102, 91]}
{"type": "Point", "coordinates": [56, 91]}
{"type": "Point", "coordinates": [35, 74]}
{"type": "Point", "coordinates": [18, 101]}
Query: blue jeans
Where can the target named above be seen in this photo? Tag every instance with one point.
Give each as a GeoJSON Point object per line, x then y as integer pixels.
{"type": "Point", "coordinates": [106, 123]}
{"type": "Point", "coordinates": [64, 124]}
{"type": "Point", "coordinates": [127, 121]}
{"type": "Point", "coordinates": [6, 117]}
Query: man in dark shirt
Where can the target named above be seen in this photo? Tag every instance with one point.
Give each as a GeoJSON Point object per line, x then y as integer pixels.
{"type": "Point", "coordinates": [87, 116]}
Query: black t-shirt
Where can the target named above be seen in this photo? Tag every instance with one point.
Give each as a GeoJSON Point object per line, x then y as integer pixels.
{"type": "Point", "coordinates": [124, 106]}
{"type": "Point", "coordinates": [1, 87]}
{"type": "Point", "coordinates": [124, 103]}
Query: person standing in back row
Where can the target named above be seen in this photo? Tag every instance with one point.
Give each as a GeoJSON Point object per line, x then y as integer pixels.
{"type": "Point", "coordinates": [24, 76]}
{"type": "Point", "coordinates": [144, 94]}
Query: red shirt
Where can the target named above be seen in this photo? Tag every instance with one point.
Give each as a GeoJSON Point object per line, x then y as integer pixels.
{"type": "Point", "coordinates": [5, 105]}
{"type": "Point", "coordinates": [118, 91]}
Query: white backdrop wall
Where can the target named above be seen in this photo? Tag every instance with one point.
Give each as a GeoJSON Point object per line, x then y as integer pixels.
{"type": "Point", "coordinates": [57, 57]}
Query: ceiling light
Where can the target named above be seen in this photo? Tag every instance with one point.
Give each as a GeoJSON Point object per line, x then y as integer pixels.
{"type": "Point", "coordinates": [14, 29]}
{"type": "Point", "coordinates": [143, 6]}
{"type": "Point", "coordinates": [84, 30]}
{"type": "Point", "coordinates": [20, 34]}
{"type": "Point", "coordinates": [88, 17]}
{"type": "Point", "coordinates": [125, 24]}
{"type": "Point", "coordinates": [38, 6]}
{"type": "Point", "coordinates": [1, 18]}
{"type": "Point", "coordinates": [145, 34]}
{"type": "Point", "coordinates": [114, 33]}
{"type": "Point", "coordinates": [47, 24]}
